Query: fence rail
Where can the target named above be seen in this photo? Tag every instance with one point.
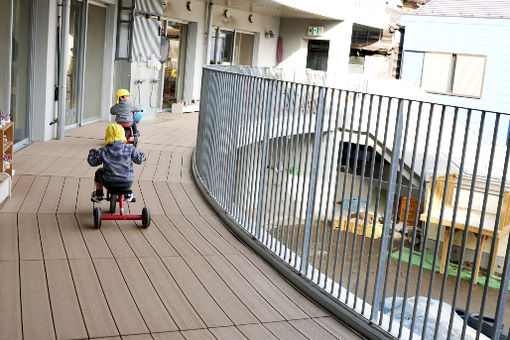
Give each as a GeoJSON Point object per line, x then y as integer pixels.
{"type": "Point", "coordinates": [388, 206]}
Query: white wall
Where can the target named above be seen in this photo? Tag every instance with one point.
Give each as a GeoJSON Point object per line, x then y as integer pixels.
{"type": "Point", "coordinates": [5, 56]}
{"type": "Point", "coordinates": [295, 43]}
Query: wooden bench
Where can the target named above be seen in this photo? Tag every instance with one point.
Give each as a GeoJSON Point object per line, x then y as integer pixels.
{"type": "Point", "coordinates": [473, 225]}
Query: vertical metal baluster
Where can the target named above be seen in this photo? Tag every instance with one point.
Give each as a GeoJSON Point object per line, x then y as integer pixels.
{"type": "Point", "coordinates": [234, 145]}
{"type": "Point", "coordinates": [243, 169]}
{"type": "Point", "coordinates": [440, 225]}
{"type": "Point", "coordinates": [427, 223]}
{"type": "Point", "coordinates": [369, 199]}
{"type": "Point", "coordinates": [263, 162]}
{"type": "Point", "coordinates": [285, 172]}
{"type": "Point", "coordinates": [388, 209]}
{"type": "Point", "coordinates": [276, 173]}
{"type": "Point", "coordinates": [256, 147]}
{"type": "Point", "coordinates": [313, 180]}
{"type": "Point", "coordinates": [321, 190]}
{"type": "Point", "coordinates": [331, 155]}
{"type": "Point", "coordinates": [453, 223]}
{"type": "Point", "coordinates": [296, 183]}
{"type": "Point", "coordinates": [480, 229]}
{"type": "Point", "coordinates": [268, 184]}
{"type": "Point", "coordinates": [306, 155]}
{"type": "Point", "coordinates": [335, 191]}
{"type": "Point", "coordinates": [363, 171]}
{"type": "Point", "coordinates": [468, 215]}
{"type": "Point", "coordinates": [215, 148]}
{"type": "Point", "coordinates": [505, 277]}
{"type": "Point", "coordinates": [221, 138]}
{"type": "Point", "coordinates": [340, 153]}
{"type": "Point", "coordinates": [360, 189]}
{"type": "Point", "coordinates": [397, 198]}
{"type": "Point", "coordinates": [346, 173]}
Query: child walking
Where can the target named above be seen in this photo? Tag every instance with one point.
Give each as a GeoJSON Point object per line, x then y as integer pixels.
{"type": "Point", "coordinates": [117, 158]}
{"type": "Point", "coordinates": [123, 110]}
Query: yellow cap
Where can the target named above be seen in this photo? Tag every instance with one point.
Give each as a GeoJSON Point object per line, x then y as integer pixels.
{"type": "Point", "coordinates": [114, 133]}
{"type": "Point", "coordinates": [122, 93]}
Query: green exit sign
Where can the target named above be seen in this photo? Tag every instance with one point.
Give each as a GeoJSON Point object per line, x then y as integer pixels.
{"type": "Point", "coordinates": [315, 31]}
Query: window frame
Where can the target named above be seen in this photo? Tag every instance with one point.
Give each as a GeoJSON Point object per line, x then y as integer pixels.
{"type": "Point", "coordinates": [452, 69]}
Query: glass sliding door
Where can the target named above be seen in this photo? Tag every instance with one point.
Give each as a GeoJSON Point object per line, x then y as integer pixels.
{"type": "Point", "coordinates": [20, 70]}
{"type": "Point", "coordinates": [231, 48]}
{"type": "Point", "coordinates": [243, 49]}
{"type": "Point", "coordinates": [94, 60]}
{"type": "Point", "coordinates": [73, 62]}
{"type": "Point", "coordinates": [174, 67]}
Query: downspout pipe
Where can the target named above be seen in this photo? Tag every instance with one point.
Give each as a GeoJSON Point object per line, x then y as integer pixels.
{"type": "Point", "coordinates": [209, 32]}
{"type": "Point", "coordinates": [62, 86]}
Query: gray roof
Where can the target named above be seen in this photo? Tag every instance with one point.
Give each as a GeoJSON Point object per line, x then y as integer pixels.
{"type": "Point", "coordinates": [494, 9]}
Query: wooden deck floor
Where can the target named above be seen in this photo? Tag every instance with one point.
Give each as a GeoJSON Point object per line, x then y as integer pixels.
{"type": "Point", "coordinates": [185, 277]}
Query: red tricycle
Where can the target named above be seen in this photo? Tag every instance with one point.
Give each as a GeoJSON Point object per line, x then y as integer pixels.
{"type": "Point", "coordinates": [115, 196]}
{"type": "Point", "coordinates": [130, 137]}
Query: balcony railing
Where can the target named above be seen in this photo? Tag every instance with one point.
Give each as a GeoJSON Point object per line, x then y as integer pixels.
{"type": "Point", "coordinates": [392, 212]}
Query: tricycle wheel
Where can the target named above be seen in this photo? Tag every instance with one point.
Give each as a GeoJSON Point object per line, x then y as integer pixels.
{"type": "Point", "coordinates": [97, 217]}
{"type": "Point", "coordinates": [146, 217]}
{"type": "Point", "coordinates": [113, 203]}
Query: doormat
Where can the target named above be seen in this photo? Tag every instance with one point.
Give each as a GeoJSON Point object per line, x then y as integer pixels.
{"type": "Point", "coordinates": [494, 281]}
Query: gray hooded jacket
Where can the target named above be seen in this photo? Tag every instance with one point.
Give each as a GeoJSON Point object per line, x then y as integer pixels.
{"type": "Point", "coordinates": [123, 111]}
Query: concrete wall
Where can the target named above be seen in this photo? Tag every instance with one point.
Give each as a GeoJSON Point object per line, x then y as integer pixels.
{"type": "Point", "coordinates": [295, 43]}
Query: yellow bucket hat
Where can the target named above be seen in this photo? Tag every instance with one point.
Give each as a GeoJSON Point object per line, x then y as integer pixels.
{"type": "Point", "coordinates": [122, 93]}
{"type": "Point", "coordinates": [114, 133]}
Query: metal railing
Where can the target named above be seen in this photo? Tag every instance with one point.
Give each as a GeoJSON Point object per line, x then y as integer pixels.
{"type": "Point", "coordinates": [350, 194]}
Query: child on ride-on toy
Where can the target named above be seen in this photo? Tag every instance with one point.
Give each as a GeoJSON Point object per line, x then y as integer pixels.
{"type": "Point", "coordinates": [117, 158]}
{"type": "Point", "coordinates": [124, 110]}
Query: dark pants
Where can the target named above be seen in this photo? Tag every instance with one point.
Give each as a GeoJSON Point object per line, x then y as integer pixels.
{"type": "Point", "coordinates": [117, 186]}
{"type": "Point", "coordinates": [135, 129]}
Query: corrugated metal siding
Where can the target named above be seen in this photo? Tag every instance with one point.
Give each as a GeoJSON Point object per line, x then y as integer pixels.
{"type": "Point", "coordinates": [146, 40]}
{"type": "Point", "coordinates": [496, 9]}
{"type": "Point", "coordinates": [154, 7]}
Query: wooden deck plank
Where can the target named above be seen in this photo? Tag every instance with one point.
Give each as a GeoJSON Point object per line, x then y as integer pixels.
{"type": "Point", "coordinates": [149, 169]}
{"type": "Point", "coordinates": [94, 240]}
{"type": "Point", "coordinates": [123, 308]}
{"type": "Point", "coordinates": [161, 173]}
{"type": "Point", "coordinates": [172, 235]}
{"type": "Point", "coordinates": [64, 303]}
{"type": "Point", "coordinates": [51, 197]}
{"type": "Point", "coordinates": [183, 201]}
{"type": "Point", "coordinates": [52, 246]}
{"type": "Point", "coordinates": [116, 242]}
{"type": "Point", "coordinates": [19, 193]}
{"type": "Point", "coordinates": [35, 304]}
{"type": "Point", "coordinates": [29, 238]}
{"type": "Point", "coordinates": [284, 330]}
{"type": "Point", "coordinates": [311, 329]}
{"type": "Point", "coordinates": [154, 312]}
{"type": "Point", "coordinates": [266, 288]}
{"type": "Point", "coordinates": [138, 243]}
{"type": "Point", "coordinates": [83, 202]}
{"type": "Point", "coordinates": [171, 295]}
{"type": "Point", "coordinates": [137, 337]}
{"type": "Point", "coordinates": [244, 291]}
{"type": "Point", "coordinates": [198, 334]}
{"type": "Point", "coordinates": [158, 242]}
{"type": "Point", "coordinates": [67, 202]}
{"type": "Point", "coordinates": [199, 298]}
{"type": "Point", "coordinates": [203, 227]}
{"type": "Point", "coordinates": [9, 237]}
{"type": "Point", "coordinates": [174, 173]}
{"type": "Point", "coordinates": [96, 313]}
{"type": "Point", "coordinates": [224, 297]}
{"type": "Point", "coordinates": [137, 206]}
{"type": "Point", "coordinates": [226, 333]}
{"type": "Point", "coordinates": [193, 236]}
{"type": "Point", "coordinates": [10, 304]}
{"type": "Point", "coordinates": [35, 195]}
{"type": "Point", "coordinates": [256, 332]}
{"type": "Point", "coordinates": [71, 235]}
{"type": "Point", "coordinates": [150, 197]}
{"type": "Point", "coordinates": [186, 175]}
{"type": "Point", "coordinates": [299, 299]}
{"type": "Point", "coordinates": [167, 199]}
{"type": "Point", "coordinates": [168, 336]}
{"type": "Point", "coordinates": [336, 328]}
{"type": "Point", "coordinates": [196, 197]}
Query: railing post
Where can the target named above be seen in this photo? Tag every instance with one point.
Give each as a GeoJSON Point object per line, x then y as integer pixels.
{"type": "Point", "coordinates": [305, 257]}
{"type": "Point", "coordinates": [388, 209]}
{"type": "Point", "coordinates": [267, 123]}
